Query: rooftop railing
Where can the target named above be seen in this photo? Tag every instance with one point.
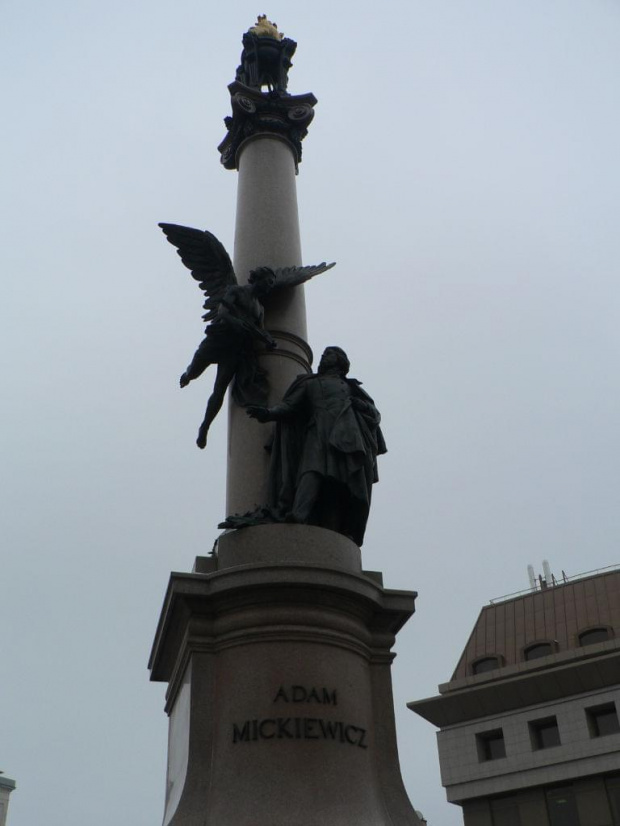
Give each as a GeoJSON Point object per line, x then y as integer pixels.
{"type": "Point", "coordinates": [543, 585]}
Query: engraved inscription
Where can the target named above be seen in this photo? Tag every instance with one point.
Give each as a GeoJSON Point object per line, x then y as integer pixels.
{"type": "Point", "coordinates": [299, 728]}
{"type": "Point", "coordinates": [301, 694]}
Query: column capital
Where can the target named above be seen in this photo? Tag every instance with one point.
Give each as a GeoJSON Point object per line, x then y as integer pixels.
{"type": "Point", "coordinates": [265, 114]}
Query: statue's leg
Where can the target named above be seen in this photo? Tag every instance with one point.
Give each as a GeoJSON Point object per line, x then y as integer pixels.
{"type": "Point", "coordinates": [306, 496]}
{"type": "Point", "coordinates": [225, 374]}
{"type": "Point", "coordinates": [334, 507]}
{"type": "Point", "coordinates": [203, 357]}
{"type": "Point", "coordinates": [327, 504]}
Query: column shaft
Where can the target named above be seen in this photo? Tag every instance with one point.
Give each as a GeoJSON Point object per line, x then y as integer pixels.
{"type": "Point", "coordinates": [266, 235]}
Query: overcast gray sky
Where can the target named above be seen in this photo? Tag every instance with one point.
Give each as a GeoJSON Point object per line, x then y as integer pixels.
{"type": "Point", "coordinates": [462, 169]}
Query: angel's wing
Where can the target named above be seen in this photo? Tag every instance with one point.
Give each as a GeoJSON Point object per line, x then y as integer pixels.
{"type": "Point", "coordinates": [208, 261]}
{"type": "Point", "coordinates": [293, 276]}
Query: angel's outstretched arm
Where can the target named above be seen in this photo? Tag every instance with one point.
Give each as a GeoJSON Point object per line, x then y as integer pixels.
{"type": "Point", "coordinates": [243, 324]}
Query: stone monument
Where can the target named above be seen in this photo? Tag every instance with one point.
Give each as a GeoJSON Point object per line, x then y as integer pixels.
{"type": "Point", "coordinates": [277, 648]}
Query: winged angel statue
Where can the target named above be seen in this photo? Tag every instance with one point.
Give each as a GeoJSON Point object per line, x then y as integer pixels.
{"type": "Point", "coordinates": [235, 316]}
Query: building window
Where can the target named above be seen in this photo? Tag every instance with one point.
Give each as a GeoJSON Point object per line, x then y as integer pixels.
{"type": "Point", "coordinates": [612, 784]}
{"type": "Point", "coordinates": [490, 745]}
{"type": "Point", "coordinates": [562, 808]}
{"type": "Point", "coordinates": [505, 812]}
{"type": "Point", "coordinates": [603, 720]}
{"type": "Point", "coordinates": [485, 664]}
{"type": "Point", "coordinates": [545, 733]}
{"type": "Point", "coordinates": [540, 649]}
{"type": "Point", "coordinates": [594, 635]}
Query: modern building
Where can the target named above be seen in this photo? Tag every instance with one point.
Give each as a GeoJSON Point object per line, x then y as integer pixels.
{"type": "Point", "coordinates": [529, 731]}
{"type": "Point", "coordinates": [6, 787]}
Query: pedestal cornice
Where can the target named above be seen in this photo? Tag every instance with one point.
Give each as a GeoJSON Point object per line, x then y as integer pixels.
{"type": "Point", "coordinates": [329, 596]}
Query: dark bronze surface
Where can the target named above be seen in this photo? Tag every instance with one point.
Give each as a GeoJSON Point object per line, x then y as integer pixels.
{"type": "Point", "coordinates": [256, 113]}
{"type": "Point", "coordinates": [324, 453]}
{"type": "Point", "coordinates": [235, 314]}
{"type": "Point", "coordinates": [265, 61]}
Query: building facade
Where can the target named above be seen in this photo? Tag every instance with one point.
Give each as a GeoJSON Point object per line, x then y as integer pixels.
{"type": "Point", "coordinates": [6, 787]}
{"type": "Point", "coordinates": [529, 723]}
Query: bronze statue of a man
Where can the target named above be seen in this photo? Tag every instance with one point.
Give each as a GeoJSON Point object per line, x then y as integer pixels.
{"type": "Point", "coordinates": [324, 455]}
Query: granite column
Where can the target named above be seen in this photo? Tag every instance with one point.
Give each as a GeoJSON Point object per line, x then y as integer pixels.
{"type": "Point", "coordinates": [266, 235]}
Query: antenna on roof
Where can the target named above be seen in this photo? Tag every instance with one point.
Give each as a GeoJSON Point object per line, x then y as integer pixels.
{"type": "Point", "coordinates": [532, 577]}
{"type": "Point", "coordinates": [547, 573]}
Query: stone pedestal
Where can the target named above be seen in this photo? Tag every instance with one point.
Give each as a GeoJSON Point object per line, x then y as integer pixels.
{"type": "Point", "coordinates": [277, 655]}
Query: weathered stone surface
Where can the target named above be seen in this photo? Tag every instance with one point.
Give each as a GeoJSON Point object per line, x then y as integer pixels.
{"type": "Point", "coordinates": [279, 694]}
{"type": "Point", "coordinates": [288, 545]}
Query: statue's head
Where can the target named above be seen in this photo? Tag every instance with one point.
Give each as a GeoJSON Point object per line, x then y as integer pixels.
{"type": "Point", "coordinates": [334, 358]}
{"type": "Point", "coordinates": [262, 279]}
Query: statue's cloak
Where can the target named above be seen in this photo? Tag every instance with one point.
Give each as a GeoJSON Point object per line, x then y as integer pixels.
{"type": "Point", "coordinates": [337, 437]}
